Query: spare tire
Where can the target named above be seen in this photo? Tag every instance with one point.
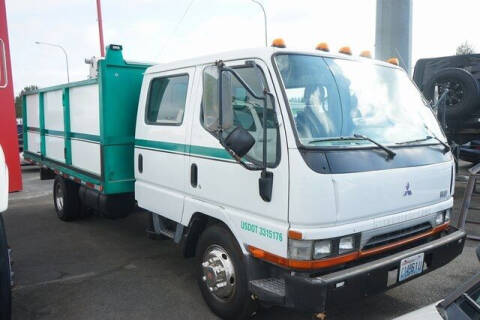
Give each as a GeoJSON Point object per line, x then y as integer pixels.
{"type": "Point", "coordinates": [463, 97]}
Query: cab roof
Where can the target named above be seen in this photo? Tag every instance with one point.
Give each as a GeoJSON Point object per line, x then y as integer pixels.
{"type": "Point", "coordinates": [264, 53]}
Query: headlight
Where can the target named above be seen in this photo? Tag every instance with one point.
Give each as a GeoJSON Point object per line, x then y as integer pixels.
{"type": "Point", "coordinates": [300, 249]}
{"type": "Point", "coordinates": [447, 215]}
{"type": "Point", "coordinates": [323, 248]}
{"type": "Point", "coordinates": [439, 218]}
{"type": "Point", "coordinates": [346, 244]}
{"type": "Point", "coordinates": [305, 250]}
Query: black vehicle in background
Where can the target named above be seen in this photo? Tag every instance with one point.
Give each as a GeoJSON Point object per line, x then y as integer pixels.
{"type": "Point", "coordinates": [20, 134]}
{"type": "Point", "coordinates": [459, 113]}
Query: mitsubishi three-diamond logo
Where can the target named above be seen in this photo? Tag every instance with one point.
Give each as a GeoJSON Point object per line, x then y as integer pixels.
{"type": "Point", "coordinates": [407, 192]}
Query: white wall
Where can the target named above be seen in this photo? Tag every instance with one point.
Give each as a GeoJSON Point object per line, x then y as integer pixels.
{"type": "Point", "coordinates": [86, 156]}
{"type": "Point", "coordinates": [33, 119]}
{"type": "Point", "coordinates": [53, 107]}
{"type": "Point", "coordinates": [85, 109]}
{"type": "Point", "coordinates": [33, 141]}
{"type": "Point", "coordinates": [54, 148]}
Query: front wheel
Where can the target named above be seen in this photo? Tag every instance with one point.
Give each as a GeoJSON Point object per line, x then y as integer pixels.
{"type": "Point", "coordinates": [222, 275]}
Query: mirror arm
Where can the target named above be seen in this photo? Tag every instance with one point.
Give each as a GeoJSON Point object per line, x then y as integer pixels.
{"type": "Point", "coordinates": [239, 160]}
{"type": "Point", "coordinates": [237, 76]}
{"type": "Point", "coordinates": [220, 100]}
{"type": "Point", "coordinates": [265, 135]}
{"type": "Point", "coordinates": [265, 182]}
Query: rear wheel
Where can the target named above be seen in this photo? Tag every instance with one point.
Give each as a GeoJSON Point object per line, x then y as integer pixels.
{"type": "Point", "coordinates": [66, 199]}
{"type": "Point", "coordinates": [222, 276]}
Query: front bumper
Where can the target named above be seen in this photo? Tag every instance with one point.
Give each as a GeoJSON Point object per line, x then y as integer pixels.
{"type": "Point", "coordinates": [315, 293]}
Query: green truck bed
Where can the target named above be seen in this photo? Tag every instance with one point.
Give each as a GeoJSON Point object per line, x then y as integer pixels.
{"type": "Point", "coordinates": [85, 130]}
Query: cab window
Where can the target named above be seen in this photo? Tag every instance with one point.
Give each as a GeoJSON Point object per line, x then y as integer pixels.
{"type": "Point", "coordinates": [166, 100]}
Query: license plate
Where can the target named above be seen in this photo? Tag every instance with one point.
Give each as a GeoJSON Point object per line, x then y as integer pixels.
{"type": "Point", "coordinates": [411, 266]}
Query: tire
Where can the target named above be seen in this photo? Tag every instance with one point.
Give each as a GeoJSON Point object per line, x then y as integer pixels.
{"type": "Point", "coordinates": [66, 199]}
{"type": "Point", "coordinates": [216, 241]}
{"type": "Point", "coordinates": [5, 292]}
{"type": "Point", "coordinates": [464, 95]}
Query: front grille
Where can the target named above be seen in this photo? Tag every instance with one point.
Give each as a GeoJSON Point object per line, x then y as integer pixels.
{"type": "Point", "coordinates": [397, 235]}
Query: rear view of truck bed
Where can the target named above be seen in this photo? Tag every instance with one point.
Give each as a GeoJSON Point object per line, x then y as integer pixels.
{"type": "Point", "coordinates": [85, 130]}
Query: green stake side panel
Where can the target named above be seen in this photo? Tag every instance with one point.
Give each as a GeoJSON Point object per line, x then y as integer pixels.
{"type": "Point", "coordinates": [118, 84]}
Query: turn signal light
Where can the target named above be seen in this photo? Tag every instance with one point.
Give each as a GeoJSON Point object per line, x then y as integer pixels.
{"type": "Point", "coordinates": [300, 264]}
{"type": "Point", "coordinates": [393, 61]}
{"type": "Point", "coordinates": [292, 234]}
{"type": "Point", "coordinates": [278, 43]}
{"type": "Point", "coordinates": [366, 54]}
{"type": "Point", "coordinates": [345, 50]}
{"type": "Point", "coordinates": [322, 46]}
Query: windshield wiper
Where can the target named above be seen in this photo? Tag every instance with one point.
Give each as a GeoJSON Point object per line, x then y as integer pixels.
{"type": "Point", "coordinates": [390, 153]}
{"type": "Point", "coordinates": [416, 140]}
{"type": "Point", "coordinates": [446, 147]}
{"type": "Point", "coordinates": [334, 139]}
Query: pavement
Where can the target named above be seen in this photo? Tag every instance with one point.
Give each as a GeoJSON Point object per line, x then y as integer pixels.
{"type": "Point", "coordinates": [108, 269]}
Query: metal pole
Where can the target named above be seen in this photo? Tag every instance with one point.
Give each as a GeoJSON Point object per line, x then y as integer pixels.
{"type": "Point", "coordinates": [64, 52]}
{"type": "Point", "coordinates": [393, 31]}
{"type": "Point", "coordinates": [100, 28]}
{"type": "Point", "coordinates": [264, 20]}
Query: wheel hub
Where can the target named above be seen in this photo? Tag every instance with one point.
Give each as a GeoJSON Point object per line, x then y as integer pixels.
{"type": "Point", "coordinates": [218, 272]}
{"type": "Point", "coordinates": [455, 94]}
{"type": "Point", "coordinates": [59, 197]}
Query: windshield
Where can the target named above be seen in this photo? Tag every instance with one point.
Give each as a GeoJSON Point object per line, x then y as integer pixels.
{"type": "Point", "coordinates": [331, 98]}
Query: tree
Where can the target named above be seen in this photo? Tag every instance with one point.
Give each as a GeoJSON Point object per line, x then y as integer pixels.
{"type": "Point", "coordinates": [18, 99]}
{"type": "Point", "coordinates": [465, 48]}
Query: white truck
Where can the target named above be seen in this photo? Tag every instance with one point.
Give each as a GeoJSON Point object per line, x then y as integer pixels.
{"type": "Point", "coordinates": [296, 178]}
{"type": "Point", "coordinates": [5, 262]}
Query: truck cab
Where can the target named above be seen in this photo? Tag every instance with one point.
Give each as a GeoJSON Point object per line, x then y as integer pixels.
{"type": "Point", "coordinates": [295, 177]}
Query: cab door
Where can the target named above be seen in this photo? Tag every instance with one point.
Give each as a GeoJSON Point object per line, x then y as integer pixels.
{"type": "Point", "coordinates": [160, 144]}
{"type": "Point", "coordinates": [217, 185]}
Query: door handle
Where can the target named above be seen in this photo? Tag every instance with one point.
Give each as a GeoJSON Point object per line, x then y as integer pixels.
{"type": "Point", "coordinates": [194, 175]}
{"type": "Point", "coordinates": [140, 163]}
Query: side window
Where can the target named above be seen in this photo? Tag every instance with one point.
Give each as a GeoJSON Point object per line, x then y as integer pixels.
{"type": "Point", "coordinates": [247, 110]}
{"type": "Point", "coordinates": [167, 97]}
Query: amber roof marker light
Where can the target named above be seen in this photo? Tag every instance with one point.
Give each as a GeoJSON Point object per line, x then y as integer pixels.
{"type": "Point", "coordinates": [366, 54]}
{"type": "Point", "coordinates": [345, 50]}
{"type": "Point", "coordinates": [278, 43]}
{"type": "Point", "coordinates": [322, 46]}
{"type": "Point", "coordinates": [393, 61]}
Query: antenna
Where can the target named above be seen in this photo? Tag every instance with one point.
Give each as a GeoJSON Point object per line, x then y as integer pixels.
{"type": "Point", "coordinates": [176, 27]}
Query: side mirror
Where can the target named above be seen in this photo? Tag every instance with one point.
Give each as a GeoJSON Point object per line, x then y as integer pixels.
{"type": "Point", "coordinates": [239, 141]}
{"type": "Point", "coordinates": [210, 101]}
{"type": "Point", "coordinates": [226, 111]}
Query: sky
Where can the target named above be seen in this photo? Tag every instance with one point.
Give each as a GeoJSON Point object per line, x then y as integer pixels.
{"type": "Point", "coordinates": [160, 31]}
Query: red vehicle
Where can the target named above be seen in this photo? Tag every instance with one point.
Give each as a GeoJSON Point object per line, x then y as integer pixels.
{"type": "Point", "coordinates": [8, 124]}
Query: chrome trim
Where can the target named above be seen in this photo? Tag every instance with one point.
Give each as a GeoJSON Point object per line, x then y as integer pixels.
{"type": "Point", "coordinates": [366, 236]}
